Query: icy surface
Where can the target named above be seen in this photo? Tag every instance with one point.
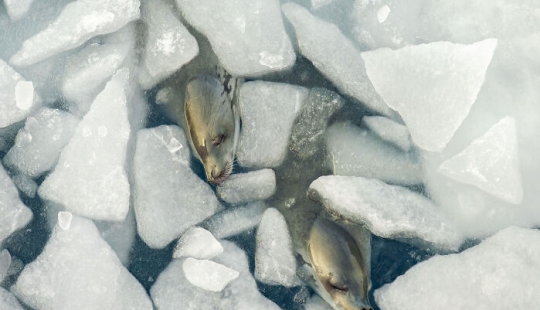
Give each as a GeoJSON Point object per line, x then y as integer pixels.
{"type": "Point", "coordinates": [90, 177]}
{"type": "Point", "coordinates": [387, 211]}
{"type": "Point", "coordinates": [245, 187]}
{"type": "Point", "coordinates": [79, 270]}
{"type": "Point", "coordinates": [169, 196]}
{"type": "Point", "coordinates": [500, 273]}
{"type": "Point", "coordinates": [25, 184]}
{"type": "Point", "coordinates": [8, 301]}
{"type": "Point", "coordinates": [248, 36]}
{"type": "Point", "coordinates": [390, 131]}
{"type": "Point", "coordinates": [235, 220]}
{"type": "Point", "coordinates": [15, 215]}
{"type": "Point", "coordinates": [197, 243]}
{"type": "Point", "coordinates": [172, 288]}
{"type": "Point", "coordinates": [168, 46]}
{"type": "Point", "coordinates": [17, 96]}
{"type": "Point", "coordinates": [326, 47]}
{"type": "Point", "coordinates": [268, 111]}
{"type": "Point", "coordinates": [5, 261]}
{"type": "Point", "coordinates": [274, 259]}
{"type": "Point", "coordinates": [79, 21]}
{"type": "Point", "coordinates": [432, 86]}
{"type": "Point", "coordinates": [37, 146]}
{"type": "Point", "coordinates": [208, 275]}
{"type": "Point", "coordinates": [490, 163]}
{"type": "Point", "coordinates": [17, 8]}
{"type": "Point", "coordinates": [357, 152]}
{"type": "Point", "coordinates": [64, 219]}
{"type": "Point", "coordinates": [119, 235]}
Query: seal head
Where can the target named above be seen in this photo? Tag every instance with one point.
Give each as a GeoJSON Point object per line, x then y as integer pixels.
{"type": "Point", "coordinates": [213, 125]}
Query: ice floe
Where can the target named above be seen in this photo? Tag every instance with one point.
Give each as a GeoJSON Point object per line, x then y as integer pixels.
{"type": "Point", "coordinates": [197, 243]}
{"type": "Point", "coordinates": [250, 186]}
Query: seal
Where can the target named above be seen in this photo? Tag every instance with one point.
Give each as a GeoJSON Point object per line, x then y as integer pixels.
{"type": "Point", "coordinates": [213, 125]}
{"type": "Point", "coordinates": [339, 272]}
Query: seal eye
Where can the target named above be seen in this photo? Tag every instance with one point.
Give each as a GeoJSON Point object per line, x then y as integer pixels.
{"type": "Point", "coordinates": [337, 285]}
{"type": "Point", "coordinates": [218, 140]}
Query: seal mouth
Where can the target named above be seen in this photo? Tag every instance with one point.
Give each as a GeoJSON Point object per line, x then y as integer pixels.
{"type": "Point", "coordinates": [223, 175]}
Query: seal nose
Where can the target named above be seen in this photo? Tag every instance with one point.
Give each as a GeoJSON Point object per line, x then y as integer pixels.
{"type": "Point", "coordinates": [214, 172]}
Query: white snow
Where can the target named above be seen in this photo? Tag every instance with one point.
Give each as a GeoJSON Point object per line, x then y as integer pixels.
{"type": "Point", "coordinates": [90, 177]}
{"type": "Point", "coordinates": [168, 196]}
{"type": "Point", "coordinates": [79, 21]}
{"type": "Point", "coordinates": [390, 131]}
{"type": "Point", "coordinates": [5, 261]}
{"type": "Point", "coordinates": [168, 44]}
{"type": "Point", "coordinates": [248, 36]}
{"type": "Point", "coordinates": [15, 215]}
{"type": "Point", "coordinates": [490, 163]}
{"type": "Point", "coordinates": [357, 152]}
{"type": "Point", "coordinates": [387, 211]}
{"type": "Point", "coordinates": [274, 258]}
{"type": "Point", "coordinates": [327, 48]}
{"type": "Point", "coordinates": [17, 9]}
{"type": "Point", "coordinates": [233, 221]}
{"type": "Point", "coordinates": [197, 243]}
{"type": "Point", "coordinates": [8, 301]}
{"type": "Point", "coordinates": [268, 111]}
{"type": "Point", "coordinates": [38, 145]}
{"type": "Point", "coordinates": [500, 273]}
{"type": "Point", "coordinates": [250, 186]}
{"type": "Point", "coordinates": [207, 274]}
{"type": "Point", "coordinates": [78, 270]}
{"type": "Point", "coordinates": [432, 86]}
{"type": "Point", "coordinates": [17, 97]}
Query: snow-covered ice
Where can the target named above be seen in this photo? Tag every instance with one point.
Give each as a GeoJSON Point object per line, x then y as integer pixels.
{"type": "Point", "coordinates": [387, 211]}
{"type": "Point", "coordinates": [198, 243]}
{"type": "Point", "coordinates": [500, 273]}
{"type": "Point", "coordinates": [79, 21]}
{"type": "Point", "coordinates": [168, 44]}
{"type": "Point", "coordinates": [248, 36]}
{"type": "Point", "coordinates": [274, 258]}
{"type": "Point", "coordinates": [168, 196]}
{"type": "Point", "coordinates": [8, 301]}
{"type": "Point", "coordinates": [268, 111]}
{"type": "Point", "coordinates": [5, 261]}
{"type": "Point", "coordinates": [326, 47]}
{"type": "Point", "coordinates": [357, 152]}
{"type": "Point", "coordinates": [207, 274]}
{"type": "Point", "coordinates": [390, 131]}
{"type": "Point", "coordinates": [90, 178]}
{"type": "Point", "coordinates": [78, 270]}
{"type": "Point", "coordinates": [15, 215]}
{"type": "Point", "coordinates": [432, 86]}
{"type": "Point", "coordinates": [235, 220]}
{"type": "Point", "coordinates": [490, 163]}
{"type": "Point", "coordinates": [246, 187]}
{"type": "Point", "coordinates": [38, 145]}
{"type": "Point", "coordinates": [17, 96]}
{"type": "Point", "coordinates": [17, 9]}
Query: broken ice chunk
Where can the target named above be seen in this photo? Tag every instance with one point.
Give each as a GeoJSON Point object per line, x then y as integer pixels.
{"type": "Point", "coordinates": [357, 152]}
{"type": "Point", "coordinates": [268, 112]}
{"type": "Point", "coordinates": [168, 196]}
{"type": "Point", "coordinates": [235, 220]}
{"type": "Point", "coordinates": [8, 301]}
{"type": "Point", "coordinates": [168, 46]}
{"type": "Point", "coordinates": [246, 187]}
{"type": "Point", "coordinates": [490, 163]}
{"type": "Point", "coordinates": [387, 211]}
{"type": "Point", "coordinates": [390, 131]}
{"type": "Point", "coordinates": [499, 273]}
{"type": "Point", "coordinates": [17, 9]}
{"type": "Point", "coordinates": [248, 36]}
{"type": "Point", "coordinates": [119, 235]}
{"type": "Point", "coordinates": [90, 177]}
{"type": "Point", "coordinates": [37, 146]}
{"type": "Point", "coordinates": [5, 261]}
{"type": "Point", "coordinates": [197, 243]}
{"type": "Point", "coordinates": [274, 259]}
{"type": "Point", "coordinates": [15, 215]}
{"type": "Point", "coordinates": [25, 184]}
{"type": "Point", "coordinates": [79, 21]}
{"type": "Point", "coordinates": [326, 47]}
{"type": "Point", "coordinates": [78, 270]}
{"type": "Point", "coordinates": [17, 96]}
{"type": "Point", "coordinates": [64, 219]}
{"type": "Point", "coordinates": [432, 86]}
{"type": "Point", "coordinates": [207, 274]}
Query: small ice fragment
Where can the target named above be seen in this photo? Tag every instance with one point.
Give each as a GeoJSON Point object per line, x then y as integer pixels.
{"type": "Point", "coordinates": [197, 243]}
{"type": "Point", "coordinates": [208, 275]}
{"type": "Point", "coordinates": [5, 262]}
{"type": "Point", "coordinates": [246, 187]}
{"type": "Point", "coordinates": [64, 219]}
{"type": "Point", "coordinates": [17, 8]}
{"type": "Point", "coordinates": [235, 220]}
{"type": "Point", "coordinates": [382, 13]}
{"type": "Point", "coordinates": [24, 94]}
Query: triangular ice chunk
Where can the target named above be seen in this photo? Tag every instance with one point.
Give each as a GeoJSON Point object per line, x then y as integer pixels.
{"type": "Point", "coordinates": [432, 86]}
{"type": "Point", "coordinates": [490, 163]}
